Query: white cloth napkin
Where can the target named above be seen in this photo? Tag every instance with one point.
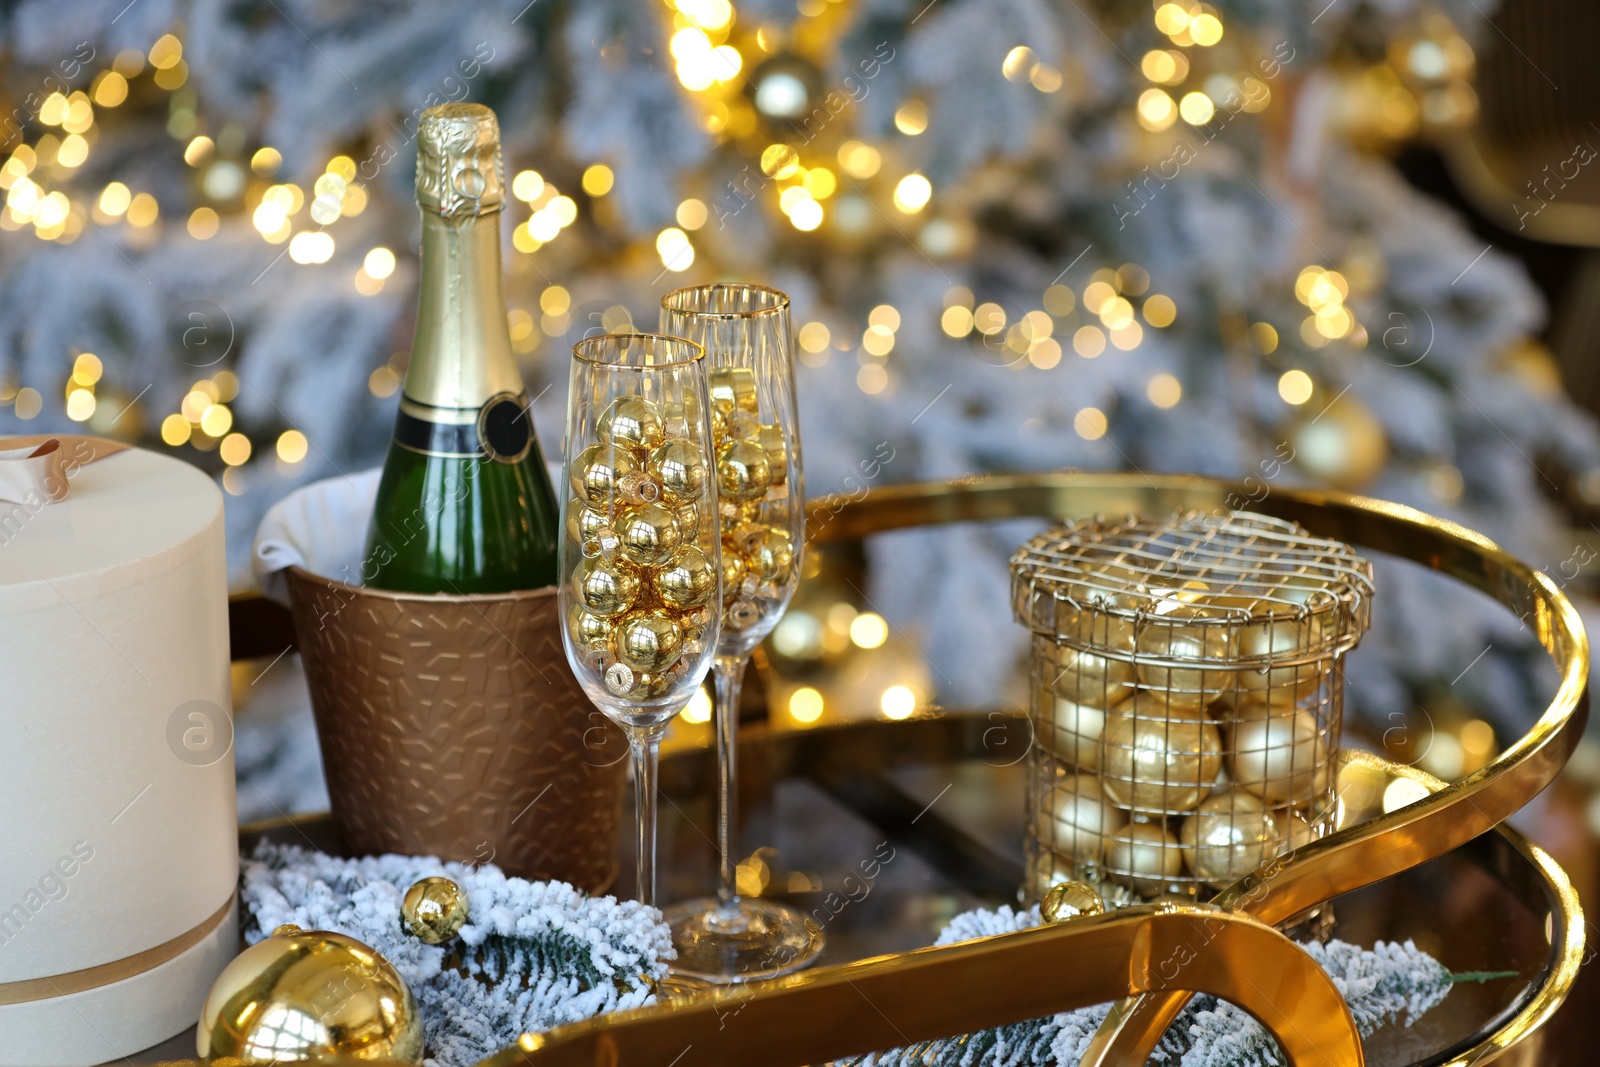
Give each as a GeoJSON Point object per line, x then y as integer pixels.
{"type": "Point", "coordinates": [321, 527]}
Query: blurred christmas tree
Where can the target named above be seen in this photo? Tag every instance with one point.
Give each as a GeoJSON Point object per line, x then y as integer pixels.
{"type": "Point", "coordinates": [1020, 235]}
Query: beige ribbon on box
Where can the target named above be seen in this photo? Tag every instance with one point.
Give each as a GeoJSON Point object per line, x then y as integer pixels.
{"type": "Point", "coordinates": [35, 470]}
{"type": "Point", "coordinates": [60, 985]}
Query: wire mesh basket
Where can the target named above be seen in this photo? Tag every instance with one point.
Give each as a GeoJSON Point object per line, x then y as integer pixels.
{"type": "Point", "coordinates": [1186, 697]}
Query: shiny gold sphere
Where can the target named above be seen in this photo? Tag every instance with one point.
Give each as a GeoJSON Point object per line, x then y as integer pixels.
{"type": "Point", "coordinates": [688, 518]}
{"type": "Point", "coordinates": [649, 641]}
{"type": "Point", "coordinates": [1144, 857]}
{"type": "Point", "coordinates": [1069, 900]}
{"type": "Point", "coordinates": [733, 569]}
{"type": "Point", "coordinates": [743, 473]}
{"type": "Point", "coordinates": [688, 580]}
{"type": "Point", "coordinates": [585, 523]}
{"type": "Point", "coordinates": [597, 470]}
{"type": "Point", "coordinates": [308, 995]}
{"type": "Point", "coordinates": [1279, 755]}
{"type": "Point", "coordinates": [680, 467]}
{"type": "Point", "coordinates": [733, 388]}
{"type": "Point", "coordinates": [769, 553]}
{"type": "Point", "coordinates": [1090, 678]}
{"type": "Point", "coordinates": [1228, 836]}
{"type": "Point", "coordinates": [1073, 731]}
{"type": "Point", "coordinates": [1159, 758]}
{"type": "Point", "coordinates": [1076, 817]}
{"type": "Point", "coordinates": [649, 535]}
{"type": "Point", "coordinates": [1184, 684]}
{"type": "Point", "coordinates": [589, 631]}
{"type": "Point", "coordinates": [606, 587]}
{"type": "Point", "coordinates": [434, 910]}
{"type": "Point", "coordinates": [771, 439]}
{"type": "Point", "coordinates": [743, 426]}
{"type": "Point", "coordinates": [632, 422]}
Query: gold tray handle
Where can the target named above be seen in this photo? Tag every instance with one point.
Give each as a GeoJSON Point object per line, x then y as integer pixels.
{"type": "Point", "coordinates": [882, 1003]}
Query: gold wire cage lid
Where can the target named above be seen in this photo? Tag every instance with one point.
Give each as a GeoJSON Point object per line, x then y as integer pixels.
{"type": "Point", "coordinates": [1265, 591]}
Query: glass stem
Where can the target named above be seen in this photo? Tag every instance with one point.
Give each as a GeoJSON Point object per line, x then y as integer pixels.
{"type": "Point", "coordinates": [645, 742]}
{"type": "Point", "coordinates": [729, 676]}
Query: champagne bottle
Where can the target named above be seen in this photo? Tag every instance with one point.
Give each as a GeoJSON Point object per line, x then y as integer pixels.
{"type": "Point", "coordinates": [465, 503]}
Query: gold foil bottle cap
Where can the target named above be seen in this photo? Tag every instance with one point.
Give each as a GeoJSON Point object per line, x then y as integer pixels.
{"type": "Point", "coordinates": [458, 161]}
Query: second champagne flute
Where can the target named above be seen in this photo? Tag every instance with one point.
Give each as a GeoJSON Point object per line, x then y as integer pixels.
{"type": "Point", "coordinates": [639, 554]}
{"type": "Point", "coordinates": [761, 508]}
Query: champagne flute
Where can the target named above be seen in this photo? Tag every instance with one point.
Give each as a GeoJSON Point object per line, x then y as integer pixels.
{"type": "Point", "coordinates": [745, 332]}
{"type": "Point", "coordinates": [640, 556]}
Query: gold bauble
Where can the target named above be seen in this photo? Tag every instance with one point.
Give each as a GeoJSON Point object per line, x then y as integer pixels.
{"type": "Point", "coordinates": [1228, 836]}
{"type": "Point", "coordinates": [585, 523]}
{"type": "Point", "coordinates": [590, 632]}
{"type": "Point", "coordinates": [1069, 900]}
{"type": "Point", "coordinates": [733, 569]}
{"type": "Point", "coordinates": [632, 422]}
{"type": "Point", "coordinates": [733, 388]}
{"type": "Point", "coordinates": [1282, 638]}
{"type": "Point", "coordinates": [649, 535]}
{"type": "Point", "coordinates": [606, 587]}
{"type": "Point", "coordinates": [1279, 755]}
{"type": "Point", "coordinates": [743, 473]}
{"type": "Point", "coordinates": [688, 580]}
{"type": "Point", "coordinates": [1075, 818]}
{"type": "Point", "coordinates": [1344, 446]}
{"type": "Point", "coordinates": [434, 910]}
{"type": "Point", "coordinates": [597, 470]}
{"type": "Point", "coordinates": [688, 519]}
{"type": "Point", "coordinates": [1159, 758]}
{"type": "Point", "coordinates": [1143, 857]}
{"type": "Point", "coordinates": [771, 439]}
{"type": "Point", "coordinates": [1183, 684]}
{"type": "Point", "coordinates": [1090, 678]}
{"type": "Point", "coordinates": [649, 641]}
{"type": "Point", "coordinates": [1112, 588]}
{"type": "Point", "coordinates": [1073, 731]}
{"type": "Point", "coordinates": [769, 553]}
{"type": "Point", "coordinates": [743, 426]}
{"type": "Point", "coordinates": [308, 995]}
{"type": "Point", "coordinates": [680, 468]}
{"type": "Point", "coordinates": [681, 419]}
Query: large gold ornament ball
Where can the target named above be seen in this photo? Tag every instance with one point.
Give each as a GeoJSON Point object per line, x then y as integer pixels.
{"type": "Point", "coordinates": [1178, 645]}
{"type": "Point", "coordinates": [308, 995]}
{"type": "Point", "coordinates": [1090, 678]}
{"type": "Point", "coordinates": [733, 389]}
{"type": "Point", "coordinates": [650, 641]}
{"type": "Point", "coordinates": [1144, 857]}
{"type": "Point", "coordinates": [596, 472]}
{"type": "Point", "coordinates": [1279, 755]}
{"type": "Point", "coordinates": [648, 535]}
{"type": "Point", "coordinates": [1228, 836]}
{"type": "Point", "coordinates": [743, 473]}
{"type": "Point", "coordinates": [434, 910]}
{"type": "Point", "coordinates": [1159, 758]}
{"type": "Point", "coordinates": [733, 569]}
{"type": "Point", "coordinates": [1344, 446]}
{"type": "Point", "coordinates": [585, 523]}
{"type": "Point", "coordinates": [589, 631]}
{"type": "Point", "coordinates": [688, 519]}
{"type": "Point", "coordinates": [687, 581]}
{"type": "Point", "coordinates": [680, 467]}
{"type": "Point", "coordinates": [769, 553]}
{"type": "Point", "coordinates": [632, 422]}
{"type": "Point", "coordinates": [606, 587]}
{"type": "Point", "coordinates": [1073, 731]}
{"type": "Point", "coordinates": [1076, 818]}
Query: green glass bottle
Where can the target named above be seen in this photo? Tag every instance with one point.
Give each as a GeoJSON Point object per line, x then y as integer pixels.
{"type": "Point", "coordinates": [465, 504]}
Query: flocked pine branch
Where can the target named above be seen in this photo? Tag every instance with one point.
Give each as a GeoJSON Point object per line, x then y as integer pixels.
{"type": "Point", "coordinates": [533, 954]}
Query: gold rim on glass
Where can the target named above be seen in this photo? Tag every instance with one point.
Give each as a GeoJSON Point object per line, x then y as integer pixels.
{"type": "Point", "coordinates": [780, 300]}
{"type": "Point", "coordinates": [649, 342]}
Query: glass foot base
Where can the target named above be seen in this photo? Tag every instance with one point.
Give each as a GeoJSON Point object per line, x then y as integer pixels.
{"type": "Point", "coordinates": [747, 942]}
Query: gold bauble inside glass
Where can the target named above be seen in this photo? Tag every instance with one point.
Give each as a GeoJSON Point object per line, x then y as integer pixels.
{"type": "Point", "coordinates": [732, 388]}
{"type": "Point", "coordinates": [680, 468]}
{"type": "Point", "coordinates": [606, 587]}
{"type": "Point", "coordinates": [743, 473]}
{"type": "Point", "coordinates": [648, 533]}
{"type": "Point", "coordinates": [649, 641]}
{"type": "Point", "coordinates": [688, 580]}
{"type": "Point", "coordinates": [632, 422]}
{"type": "Point", "coordinates": [596, 472]}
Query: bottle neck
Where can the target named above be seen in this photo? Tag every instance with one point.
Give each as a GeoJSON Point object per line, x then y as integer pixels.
{"type": "Point", "coordinates": [461, 350]}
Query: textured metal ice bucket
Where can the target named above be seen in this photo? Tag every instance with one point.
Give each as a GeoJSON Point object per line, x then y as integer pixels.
{"type": "Point", "coordinates": [452, 726]}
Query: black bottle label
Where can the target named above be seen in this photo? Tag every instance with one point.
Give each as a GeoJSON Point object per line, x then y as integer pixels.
{"type": "Point", "coordinates": [501, 429]}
